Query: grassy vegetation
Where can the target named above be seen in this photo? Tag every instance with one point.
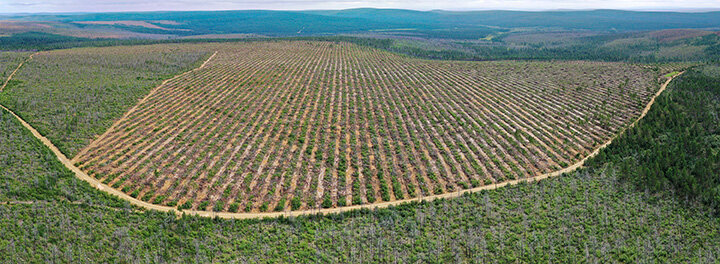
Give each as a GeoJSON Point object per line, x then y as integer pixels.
{"type": "Point", "coordinates": [671, 74]}
{"type": "Point", "coordinates": [337, 124]}
{"type": "Point", "coordinates": [73, 95]}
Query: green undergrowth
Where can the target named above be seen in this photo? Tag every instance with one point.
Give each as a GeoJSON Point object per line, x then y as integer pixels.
{"type": "Point", "coordinates": [670, 74]}
{"type": "Point", "coordinates": [9, 62]}
{"type": "Point", "coordinates": [29, 171]}
{"type": "Point", "coordinates": [580, 217]}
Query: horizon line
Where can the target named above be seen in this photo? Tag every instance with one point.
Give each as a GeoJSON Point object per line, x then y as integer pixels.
{"type": "Point", "coordinates": [653, 9]}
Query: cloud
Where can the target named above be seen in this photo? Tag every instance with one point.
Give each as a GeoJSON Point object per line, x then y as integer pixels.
{"type": "Point", "coordinates": [172, 5]}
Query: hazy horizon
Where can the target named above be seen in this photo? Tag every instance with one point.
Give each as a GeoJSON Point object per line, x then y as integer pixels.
{"type": "Point", "coordinates": [86, 6]}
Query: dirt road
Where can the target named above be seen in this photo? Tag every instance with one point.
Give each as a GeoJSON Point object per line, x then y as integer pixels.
{"type": "Point", "coordinates": [100, 186]}
{"type": "Point", "coordinates": [16, 69]}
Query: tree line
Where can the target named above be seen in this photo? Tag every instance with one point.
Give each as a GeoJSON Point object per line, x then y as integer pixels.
{"type": "Point", "coordinates": [677, 145]}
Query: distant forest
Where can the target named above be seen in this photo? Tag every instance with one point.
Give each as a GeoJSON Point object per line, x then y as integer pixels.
{"type": "Point", "coordinates": [605, 35]}
{"type": "Point", "coordinates": [283, 23]}
{"type": "Point", "coordinates": [588, 49]}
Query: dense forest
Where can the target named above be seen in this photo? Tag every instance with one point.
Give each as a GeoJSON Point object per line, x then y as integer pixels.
{"type": "Point", "coordinates": [704, 48]}
{"type": "Point", "coordinates": [631, 47]}
{"type": "Point", "coordinates": [31, 41]}
{"type": "Point", "coordinates": [677, 145]}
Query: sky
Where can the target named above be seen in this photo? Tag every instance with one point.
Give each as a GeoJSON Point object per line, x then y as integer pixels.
{"type": "Point", "coordinates": [36, 6]}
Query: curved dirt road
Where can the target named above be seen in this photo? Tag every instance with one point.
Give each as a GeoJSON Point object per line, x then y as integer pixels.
{"type": "Point", "coordinates": [103, 187]}
{"type": "Point", "coordinates": [84, 176]}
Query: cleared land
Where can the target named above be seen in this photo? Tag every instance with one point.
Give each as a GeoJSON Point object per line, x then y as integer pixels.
{"type": "Point", "coordinates": [131, 23]}
{"type": "Point", "coordinates": [300, 125]}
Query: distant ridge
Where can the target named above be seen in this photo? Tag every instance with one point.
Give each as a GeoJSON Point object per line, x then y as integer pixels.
{"type": "Point", "coordinates": [320, 22]}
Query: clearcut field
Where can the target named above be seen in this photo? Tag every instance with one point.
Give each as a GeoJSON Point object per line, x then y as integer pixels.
{"type": "Point", "coordinates": [291, 125]}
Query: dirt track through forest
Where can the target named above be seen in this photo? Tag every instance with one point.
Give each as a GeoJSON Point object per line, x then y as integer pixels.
{"type": "Point", "coordinates": [16, 69]}
{"type": "Point", "coordinates": [103, 187]}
